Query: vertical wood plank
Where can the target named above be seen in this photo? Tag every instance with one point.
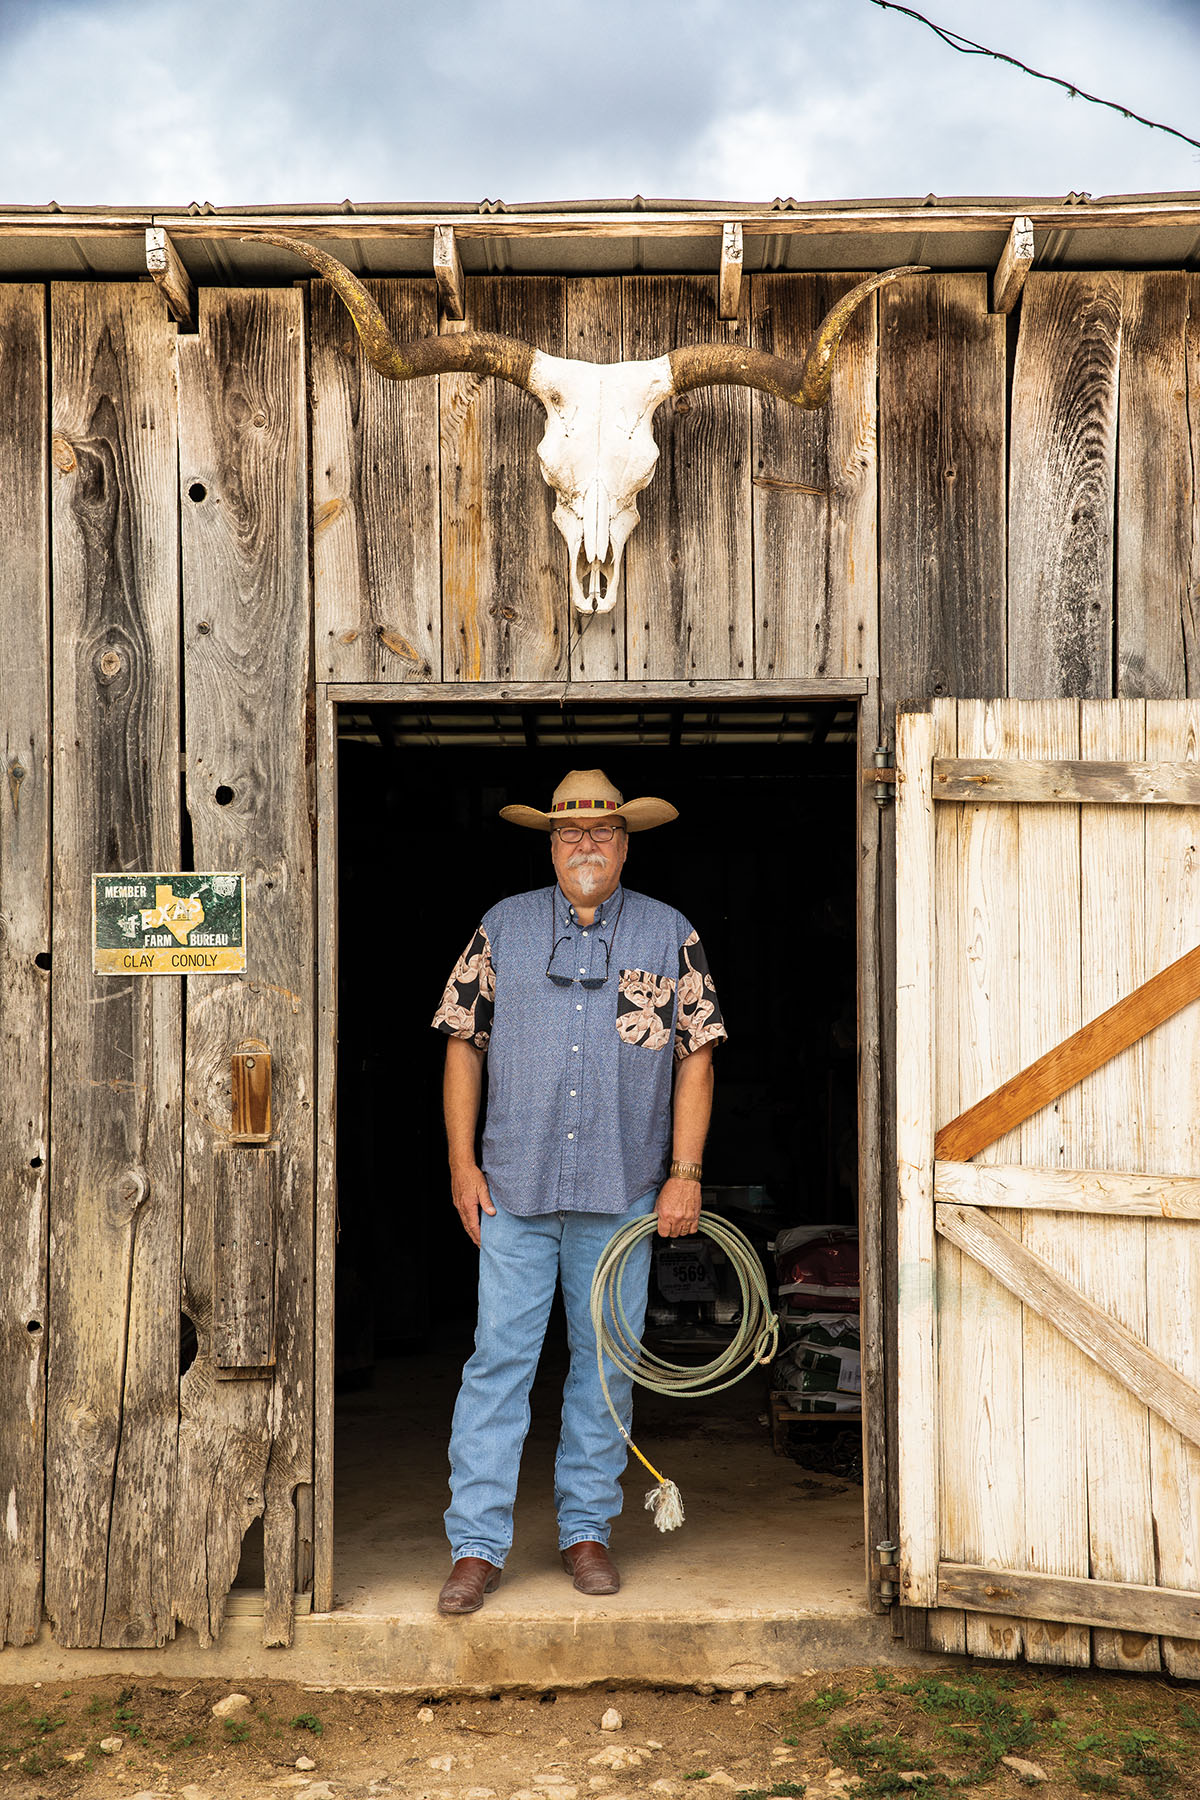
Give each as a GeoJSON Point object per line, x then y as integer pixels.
{"type": "Point", "coordinates": [986, 1389]}
{"type": "Point", "coordinates": [689, 600]}
{"type": "Point", "coordinates": [1056, 1521]}
{"type": "Point", "coordinates": [814, 481]}
{"type": "Point", "coordinates": [946, 1628]}
{"type": "Point", "coordinates": [1156, 594]}
{"type": "Point", "coordinates": [594, 334]}
{"type": "Point", "coordinates": [327, 1064]}
{"type": "Point", "coordinates": [941, 488]}
{"type": "Point", "coordinates": [1061, 498]}
{"type": "Point", "coordinates": [245, 1184]}
{"type": "Point", "coordinates": [1172, 1145]}
{"type": "Point", "coordinates": [1113, 1105]}
{"type": "Point", "coordinates": [112, 1403]}
{"type": "Point", "coordinates": [876, 1290]}
{"type": "Point", "coordinates": [24, 936]}
{"type": "Point", "coordinates": [376, 509]}
{"type": "Point", "coordinates": [246, 1446]}
{"type": "Point", "coordinates": [504, 568]}
{"type": "Point", "coordinates": [917, 1328]}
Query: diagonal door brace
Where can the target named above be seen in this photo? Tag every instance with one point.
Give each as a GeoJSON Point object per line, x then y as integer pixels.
{"type": "Point", "coordinates": [1101, 1337]}
{"type": "Point", "coordinates": [1085, 1051]}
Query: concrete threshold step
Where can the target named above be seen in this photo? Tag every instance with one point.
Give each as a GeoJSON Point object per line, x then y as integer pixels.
{"type": "Point", "coordinates": [494, 1650]}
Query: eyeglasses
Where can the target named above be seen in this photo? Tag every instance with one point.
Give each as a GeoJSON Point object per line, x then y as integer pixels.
{"type": "Point", "coordinates": [575, 834]}
{"type": "Point", "coordinates": [585, 981]}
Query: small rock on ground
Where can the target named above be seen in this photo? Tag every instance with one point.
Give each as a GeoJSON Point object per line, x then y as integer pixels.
{"type": "Point", "coordinates": [110, 1745]}
{"type": "Point", "coordinates": [316, 1790]}
{"type": "Point", "coordinates": [231, 1704]}
{"type": "Point", "coordinates": [305, 1762]}
{"type": "Point", "coordinates": [194, 1792]}
{"type": "Point", "coordinates": [738, 1699]}
{"type": "Point", "coordinates": [1028, 1771]}
{"type": "Point", "coordinates": [618, 1758]}
{"type": "Point", "coordinates": [425, 1715]}
{"type": "Point", "coordinates": [612, 1720]}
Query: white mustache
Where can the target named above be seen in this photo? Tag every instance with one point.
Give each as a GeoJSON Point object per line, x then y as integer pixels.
{"type": "Point", "coordinates": [585, 859]}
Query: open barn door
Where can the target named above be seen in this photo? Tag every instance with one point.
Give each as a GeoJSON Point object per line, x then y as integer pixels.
{"type": "Point", "coordinates": [1048, 882]}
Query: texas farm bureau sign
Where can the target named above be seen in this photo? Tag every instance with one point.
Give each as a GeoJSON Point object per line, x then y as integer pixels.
{"type": "Point", "coordinates": [173, 924]}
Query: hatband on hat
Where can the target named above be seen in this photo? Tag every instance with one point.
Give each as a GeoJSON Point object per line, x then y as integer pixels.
{"type": "Point", "coordinates": [587, 796]}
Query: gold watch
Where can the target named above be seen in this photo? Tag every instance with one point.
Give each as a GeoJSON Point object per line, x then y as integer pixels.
{"type": "Point", "coordinates": [685, 1171]}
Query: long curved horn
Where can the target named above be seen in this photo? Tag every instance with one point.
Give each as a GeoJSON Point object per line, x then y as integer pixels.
{"type": "Point", "coordinates": [710, 365]}
{"type": "Point", "coordinates": [472, 352]}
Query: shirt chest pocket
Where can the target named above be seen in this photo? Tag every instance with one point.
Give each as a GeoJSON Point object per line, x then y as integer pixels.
{"type": "Point", "coordinates": [645, 1006]}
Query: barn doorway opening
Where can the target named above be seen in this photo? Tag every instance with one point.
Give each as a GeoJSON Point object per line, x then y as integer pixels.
{"type": "Point", "coordinates": [764, 863]}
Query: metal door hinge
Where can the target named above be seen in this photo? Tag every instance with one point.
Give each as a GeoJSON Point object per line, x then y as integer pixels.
{"type": "Point", "coordinates": [883, 774]}
{"type": "Point", "coordinates": [887, 1555]}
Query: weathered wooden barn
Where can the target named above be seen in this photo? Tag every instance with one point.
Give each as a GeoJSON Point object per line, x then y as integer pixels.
{"type": "Point", "coordinates": [248, 585]}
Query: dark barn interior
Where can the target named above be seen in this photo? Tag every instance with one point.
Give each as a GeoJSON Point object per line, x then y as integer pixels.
{"type": "Point", "coordinates": [762, 861]}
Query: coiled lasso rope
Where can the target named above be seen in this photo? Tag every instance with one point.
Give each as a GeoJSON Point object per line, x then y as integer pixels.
{"type": "Point", "coordinates": [754, 1342]}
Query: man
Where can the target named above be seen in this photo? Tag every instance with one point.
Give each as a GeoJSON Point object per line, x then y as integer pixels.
{"type": "Point", "coordinates": [576, 995]}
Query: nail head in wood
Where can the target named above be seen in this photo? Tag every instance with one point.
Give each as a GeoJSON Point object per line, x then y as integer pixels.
{"type": "Point", "coordinates": [1016, 260]}
{"type": "Point", "coordinates": [730, 284]}
{"type": "Point", "coordinates": [448, 273]}
{"type": "Point", "coordinates": [166, 266]}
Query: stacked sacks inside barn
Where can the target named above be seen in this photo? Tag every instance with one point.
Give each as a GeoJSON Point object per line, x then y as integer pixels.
{"type": "Point", "coordinates": [818, 1369]}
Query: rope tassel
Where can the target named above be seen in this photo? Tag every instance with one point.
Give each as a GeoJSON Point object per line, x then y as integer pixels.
{"type": "Point", "coordinates": [665, 1503]}
{"type": "Point", "coordinates": [754, 1343]}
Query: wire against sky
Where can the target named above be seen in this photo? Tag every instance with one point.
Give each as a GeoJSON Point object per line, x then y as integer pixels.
{"type": "Point", "coordinates": [968, 47]}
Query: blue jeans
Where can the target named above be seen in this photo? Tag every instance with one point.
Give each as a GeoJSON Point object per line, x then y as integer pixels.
{"type": "Point", "coordinates": [520, 1262]}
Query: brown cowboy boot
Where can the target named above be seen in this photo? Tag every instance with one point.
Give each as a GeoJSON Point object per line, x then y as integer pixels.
{"type": "Point", "coordinates": [468, 1581]}
{"type": "Point", "coordinates": [592, 1568]}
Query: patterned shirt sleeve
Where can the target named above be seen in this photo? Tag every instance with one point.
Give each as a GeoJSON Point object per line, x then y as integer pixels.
{"type": "Point", "coordinates": [469, 1000]}
{"type": "Point", "coordinates": [698, 1018]}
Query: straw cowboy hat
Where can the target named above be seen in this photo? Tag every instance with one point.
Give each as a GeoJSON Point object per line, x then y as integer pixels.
{"type": "Point", "coordinates": [586, 796]}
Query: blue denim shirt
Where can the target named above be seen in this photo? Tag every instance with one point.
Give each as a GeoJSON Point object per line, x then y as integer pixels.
{"type": "Point", "coordinates": [579, 1079]}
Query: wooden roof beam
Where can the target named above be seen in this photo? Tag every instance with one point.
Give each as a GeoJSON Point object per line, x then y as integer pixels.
{"type": "Point", "coordinates": [448, 273]}
{"type": "Point", "coordinates": [166, 266]}
{"type": "Point", "coordinates": [1016, 260]}
{"type": "Point", "coordinates": [729, 287]}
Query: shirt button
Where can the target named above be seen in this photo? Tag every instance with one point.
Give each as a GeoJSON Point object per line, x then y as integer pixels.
{"type": "Point", "coordinates": [574, 1049]}
{"type": "Point", "coordinates": [585, 934]}
{"type": "Point", "coordinates": [570, 1134]}
{"type": "Point", "coordinates": [572, 1093]}
{"type": "Point", "coordinates": [582, 970]}
{"type": "Point", "coordinates": [579, 1009]}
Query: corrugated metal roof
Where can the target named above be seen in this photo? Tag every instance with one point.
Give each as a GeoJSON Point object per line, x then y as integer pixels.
{"type": "Point", "coordinates": [608, 236]}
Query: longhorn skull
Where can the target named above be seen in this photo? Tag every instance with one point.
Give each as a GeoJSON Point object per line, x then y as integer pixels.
{"type": "Point", "coordinates": [598, 451]}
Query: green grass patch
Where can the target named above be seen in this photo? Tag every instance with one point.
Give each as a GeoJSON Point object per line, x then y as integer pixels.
{"type": "Point", "coordinates": [978, 1714]}
{"type": "Point", "coordinates": [878, 1758]}
{"type": "Point", "coordinates": [816, 1709]}
{"type": "Point", "coordinates": [696, 1775]}
{"type": "Point", "coordinates": [236, 1731]}
{"type": "Point", "coordinates": [41, 1762]}
{"type": "Point", "coordinates": [308, 1722]}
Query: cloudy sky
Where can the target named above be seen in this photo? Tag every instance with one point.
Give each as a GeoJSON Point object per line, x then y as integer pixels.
{"type": "Point", "coordinates": [255, 101]}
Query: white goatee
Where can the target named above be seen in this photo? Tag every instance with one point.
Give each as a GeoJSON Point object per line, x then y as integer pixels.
{"type": "Point", "coordinates": [588, 870]}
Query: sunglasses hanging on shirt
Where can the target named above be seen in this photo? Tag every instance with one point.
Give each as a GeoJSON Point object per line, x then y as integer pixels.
{"type": "Point", "coordinates": [584, 981]}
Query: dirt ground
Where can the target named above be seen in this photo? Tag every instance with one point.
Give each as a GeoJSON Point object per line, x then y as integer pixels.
{"type": "Point", "coordinates": [860, 1732]}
